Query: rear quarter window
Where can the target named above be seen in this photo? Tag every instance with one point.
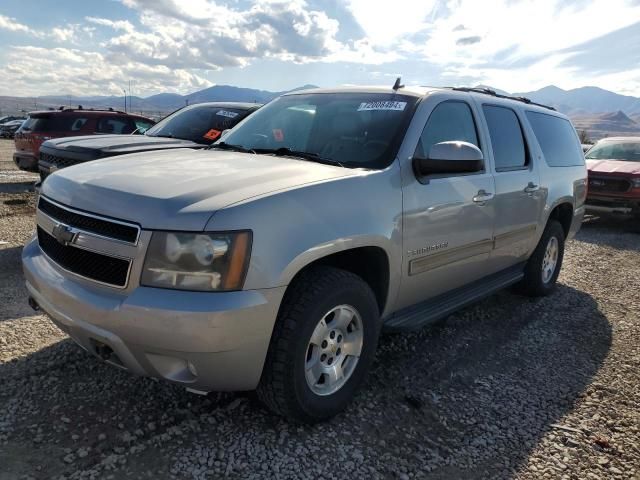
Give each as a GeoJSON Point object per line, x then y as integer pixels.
{"type": "Point", "coordinates": [557, 138]}
{"type": "Point", "coordinates": [54, 123]}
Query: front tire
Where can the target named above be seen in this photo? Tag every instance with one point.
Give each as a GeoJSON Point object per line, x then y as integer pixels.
{"type": "Point", "coordinates": [322, 347]}
{"type": "Point", "coordinates": [543, 267]}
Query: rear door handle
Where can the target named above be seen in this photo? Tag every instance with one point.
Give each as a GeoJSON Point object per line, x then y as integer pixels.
{"type": "Point", "coordinates": [482, 197]}
{"type": "Point", "coordinates": [532, 187]}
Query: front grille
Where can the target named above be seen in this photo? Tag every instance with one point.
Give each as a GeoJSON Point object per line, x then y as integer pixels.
{"type": "Point", "coordinates": [57, 161]}
{"type": "Point", "coordinates": [608, 184]}
{"type": "Point", "coordinates": [126, 233]}
{"type": "Point", "coordinates": [92, 265]}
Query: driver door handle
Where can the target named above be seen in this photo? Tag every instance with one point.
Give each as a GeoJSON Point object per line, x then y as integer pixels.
{"type": "Point", "coordinates": [532, 187]}
{"type": "Point", "coordinates": [482, 197]}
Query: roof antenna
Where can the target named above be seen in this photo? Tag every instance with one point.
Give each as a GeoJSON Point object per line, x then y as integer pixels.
{"type": "Point", "coordinates": [398, 85]}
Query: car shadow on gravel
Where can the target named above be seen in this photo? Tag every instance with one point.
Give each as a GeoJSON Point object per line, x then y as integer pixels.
{"type": "Point", "coordinates": [477, 391]}
{"type": "Point", "coordinates": [466, 398]}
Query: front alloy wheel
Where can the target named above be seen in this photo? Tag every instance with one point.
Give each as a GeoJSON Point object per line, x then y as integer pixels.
{"type": "Point", "coordinates": [322, 346]}
{"type": "Point", "coordinates": [334, 350]}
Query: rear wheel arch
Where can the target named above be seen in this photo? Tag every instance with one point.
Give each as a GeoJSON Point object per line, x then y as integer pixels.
{"type": "Point", "coordinates": [563, 213]}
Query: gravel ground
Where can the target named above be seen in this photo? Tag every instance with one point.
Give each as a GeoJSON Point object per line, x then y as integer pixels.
{"type": "Point", "coordinates": [509, 388]}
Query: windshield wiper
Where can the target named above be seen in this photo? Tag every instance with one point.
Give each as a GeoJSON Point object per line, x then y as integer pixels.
{"type": "Point", "coordinates": [286, 151]}
{"type": "Point", "coordinates": [229, 146]}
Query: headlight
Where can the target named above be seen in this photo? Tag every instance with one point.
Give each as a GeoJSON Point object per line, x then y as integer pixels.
{"type": "Point", "coordinates": [635, 182]}
{"type": "Point", "coordinates": [197, 261]}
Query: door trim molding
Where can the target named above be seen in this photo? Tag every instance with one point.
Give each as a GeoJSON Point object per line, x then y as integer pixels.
{"type": "Point", "coordinates": [440, 259]}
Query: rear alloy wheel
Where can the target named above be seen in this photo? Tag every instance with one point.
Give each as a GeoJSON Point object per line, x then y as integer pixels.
{"type": "Point", "coordinates": [543, 267]}
{"type": "Point", "coordinates": [322, 345]}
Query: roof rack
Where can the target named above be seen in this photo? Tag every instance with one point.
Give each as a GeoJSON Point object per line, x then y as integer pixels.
{"type": "Point", "coordinates": [79, 107]}
{"type": "Point", "coordinates": [493, 93]}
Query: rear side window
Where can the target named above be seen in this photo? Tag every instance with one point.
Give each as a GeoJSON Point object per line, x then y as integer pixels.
{"type": "Point", "coordinates": [507, 142]}
{"type": "Point", "coordinates": [557, 139]}
{"type": "Point", "coordinates": [449, 121]}
{"type": "Point", "coordinates": [115, 125]}
{"type": "Point", "coordinates": [54, 123]}
{"type": "Point", "coordinates": [142, 125]}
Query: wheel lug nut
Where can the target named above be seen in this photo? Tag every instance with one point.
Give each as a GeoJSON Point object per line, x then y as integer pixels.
{"type": "Point", "coordinates": [338, 352]}
{"type": "Point", "coordinates": [330, 361]}
{"type": "Point", "coordinates": [332, 334]}
{"type": "Point", "coordinates": [324, 344]}
{"type": "Point", "coordinates": [339, 338]}
{"type": "Point", "coordinates": [323, 357]}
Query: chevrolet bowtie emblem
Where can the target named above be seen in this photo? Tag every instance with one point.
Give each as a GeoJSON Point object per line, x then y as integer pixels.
{"type": "Point", "coordinates": [63, 234]}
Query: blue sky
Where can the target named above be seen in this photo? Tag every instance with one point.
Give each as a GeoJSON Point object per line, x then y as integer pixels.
{"type": "Point", "coordinates": [95, 47]}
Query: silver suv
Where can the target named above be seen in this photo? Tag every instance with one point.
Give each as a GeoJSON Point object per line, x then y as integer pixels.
{"type": "Point", "coordinates": [272, 260]}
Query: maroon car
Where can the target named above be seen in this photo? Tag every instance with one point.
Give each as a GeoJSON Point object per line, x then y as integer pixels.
{"type": "Point", "coordinates": [70, 122]}
{"type": "Point", "coordinates": [614, 176]}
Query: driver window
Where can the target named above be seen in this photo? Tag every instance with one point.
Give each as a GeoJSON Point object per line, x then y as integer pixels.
{"type": "Point", "coordinates": [449, 121]}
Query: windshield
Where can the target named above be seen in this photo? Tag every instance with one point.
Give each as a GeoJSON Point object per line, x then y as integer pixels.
{"type": "Point", "coordinates": [198, 123]}
{"type": "Point", "coordinates": [627, 151]}
{"type": "Point", "coordinates": [360, 130]}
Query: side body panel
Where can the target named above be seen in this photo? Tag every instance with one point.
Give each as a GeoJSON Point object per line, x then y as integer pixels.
{"type": "Point", "coordinates": [447, 236]}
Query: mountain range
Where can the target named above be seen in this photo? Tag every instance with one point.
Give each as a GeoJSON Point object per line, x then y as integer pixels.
{"type": "Point", "coordinates": [597, 111]}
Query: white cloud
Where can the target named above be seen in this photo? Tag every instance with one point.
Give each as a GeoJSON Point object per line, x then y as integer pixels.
{"type": "Point", "coordinates": [77, 72]}
{"type": "Point", "coordinates": [11, 24]}
{"type": "Point", "coordinates": [123, 25]}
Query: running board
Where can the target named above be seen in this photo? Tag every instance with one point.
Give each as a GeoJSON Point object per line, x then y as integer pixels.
{"type": "Point", "coordinates": [415, 316]}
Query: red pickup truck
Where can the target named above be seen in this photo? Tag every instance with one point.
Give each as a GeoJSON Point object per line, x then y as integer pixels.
{"type": "Point", "coordinates": [614, 176]}
{"type": "Point", "coordinates": [69, 122]}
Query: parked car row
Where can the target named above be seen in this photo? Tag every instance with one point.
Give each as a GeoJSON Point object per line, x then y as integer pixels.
{"type": "Point", "coordinates": [65, 122]}
{"type": "Point", "coordinates": [272, 259]}
{"type": "Point", "coordinates": [8, 129]}
{"type": "Point", "coordinates": [195, 126]}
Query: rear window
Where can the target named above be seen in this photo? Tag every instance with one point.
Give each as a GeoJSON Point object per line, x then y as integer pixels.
{"type": "Point", "coordinates": [557, 139]}
{"type": "Point", "coordinates": [53, 123]}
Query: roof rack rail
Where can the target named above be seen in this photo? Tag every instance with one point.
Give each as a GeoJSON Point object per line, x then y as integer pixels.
{"type": "Point", "coordinates": [91, 109]}
{"type": "Point", "coordinates": [493, 93]}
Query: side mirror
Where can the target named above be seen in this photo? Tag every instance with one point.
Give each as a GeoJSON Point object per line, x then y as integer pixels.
{"type": "Point", "coordinates": [450, 157]}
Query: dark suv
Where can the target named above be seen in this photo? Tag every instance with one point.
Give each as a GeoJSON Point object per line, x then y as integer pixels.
{"type": "Point", "coordinates": [66, 122]}
{"type": "Point", "coordinates": [195, 126]}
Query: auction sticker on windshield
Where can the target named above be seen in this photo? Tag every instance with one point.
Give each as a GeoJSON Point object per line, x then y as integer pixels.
{"type": "Point", "coordinates": [384, 105]}
{"type": "Point", "coordinates": [224, 113]}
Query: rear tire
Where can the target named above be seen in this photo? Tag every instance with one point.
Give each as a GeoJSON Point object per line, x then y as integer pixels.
{"type": "Point", "coordinates": [322, 346]}
{"type": "Point", "coordinates": [543, 267]}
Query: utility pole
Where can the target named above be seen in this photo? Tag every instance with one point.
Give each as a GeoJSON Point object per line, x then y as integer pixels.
{"type": "Point", "coordinates": [125, 100]}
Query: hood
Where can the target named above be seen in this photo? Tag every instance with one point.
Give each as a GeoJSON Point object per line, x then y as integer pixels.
{"type": "Point", "coordinates": [614, 167]}
{"type": "Point", "coordinates": [98, 146]}
{"type": "Point", "coordinates": [179, 189]}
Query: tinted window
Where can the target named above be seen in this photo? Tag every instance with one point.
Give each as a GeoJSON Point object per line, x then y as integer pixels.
{"type": "Point", "coordinates": [557, 139]}
{"type": "Point", "coordinates": [198, 123]}
{"type": "Point", "coordinates": [507, 143]}
{"type": "Point", "coordinates": [53, 123]}
{"type": "Point", "coordinates": [117, 125]}
{"type": "Point", "coordinates": [449, 121]}
{"type": "Point", "coordinates": [608, 150]}
{"type": "Point", "coordinates": [360, 130]}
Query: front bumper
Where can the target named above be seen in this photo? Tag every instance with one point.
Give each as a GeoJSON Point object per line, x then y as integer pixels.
{"type": "Point", "coordinates": [203, 341]}
{"type": "Point", "coordinates": [25, 161]}
{"type": "Point", "coordinates": [613, 205]}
